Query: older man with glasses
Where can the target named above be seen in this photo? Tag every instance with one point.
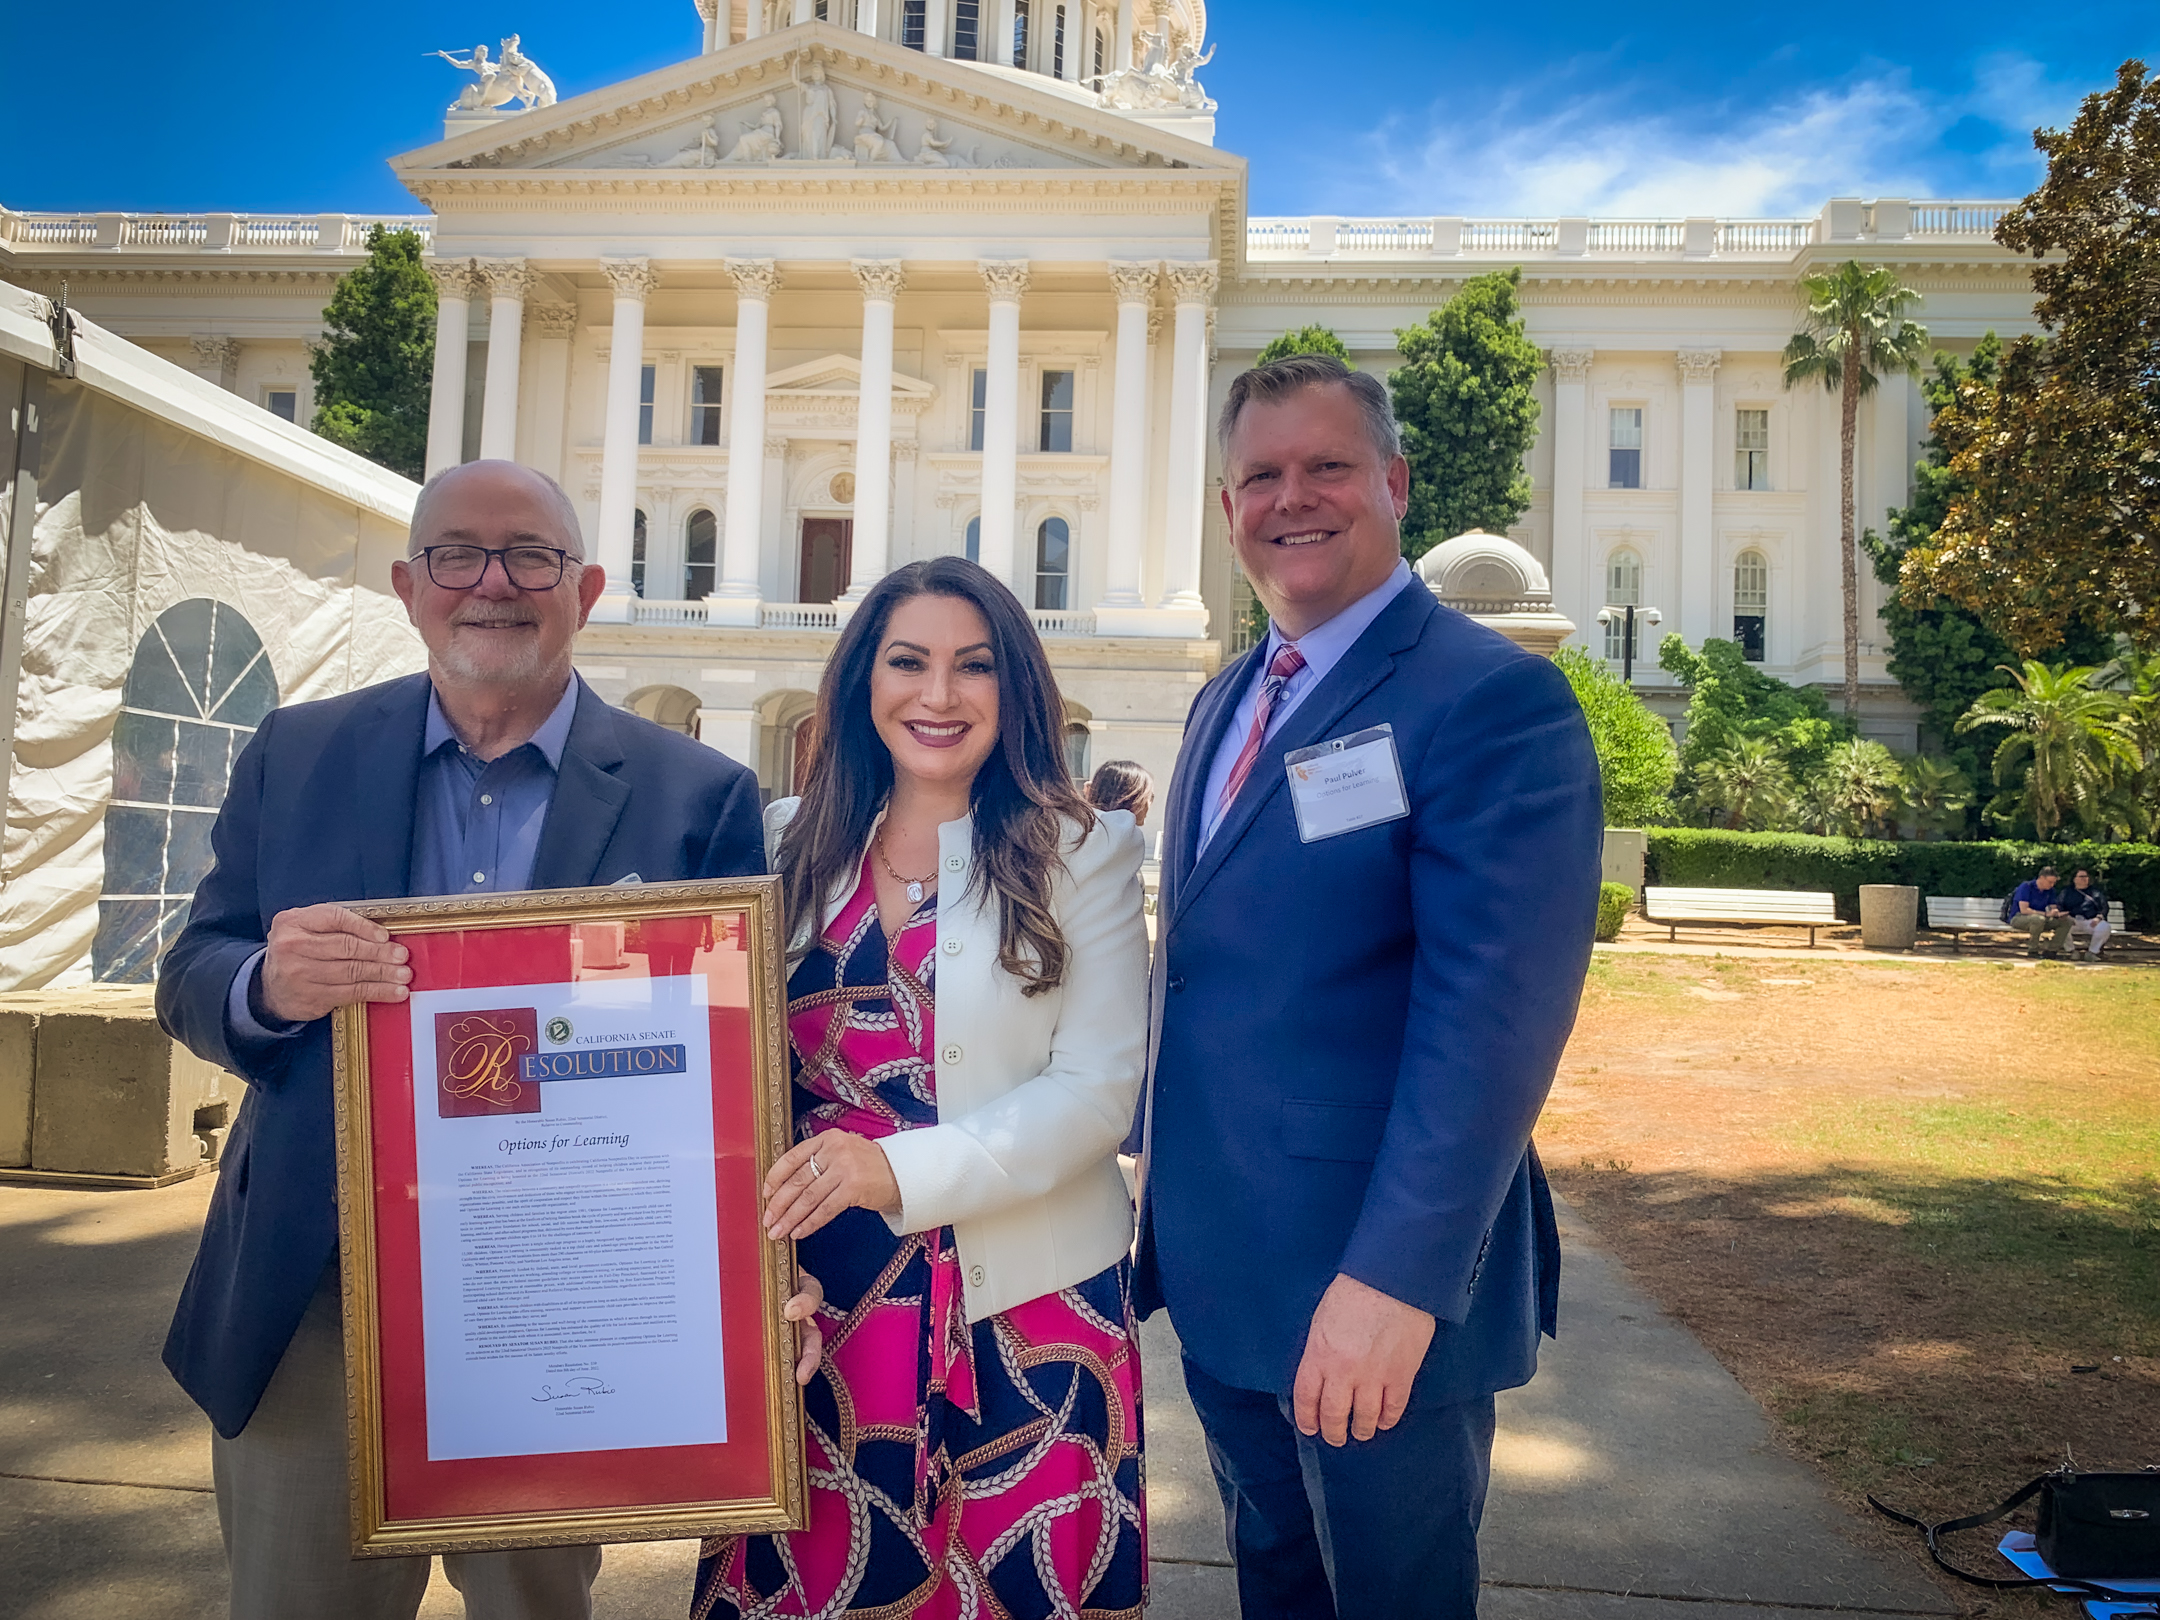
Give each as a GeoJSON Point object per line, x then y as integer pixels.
{"type": "Point", "coordinates": [497, 770]}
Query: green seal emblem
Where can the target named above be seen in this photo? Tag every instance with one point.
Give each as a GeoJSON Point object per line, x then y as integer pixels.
{"type": "Point", "coordinates": [559, 1031]}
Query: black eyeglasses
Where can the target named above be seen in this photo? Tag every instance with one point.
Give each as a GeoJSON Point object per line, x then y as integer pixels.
{"type": "Point", "coordinates": [529, 568]}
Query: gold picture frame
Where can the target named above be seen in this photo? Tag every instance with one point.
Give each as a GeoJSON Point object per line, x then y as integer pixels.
{"type": "Point", "coordinates": [382, 1469]}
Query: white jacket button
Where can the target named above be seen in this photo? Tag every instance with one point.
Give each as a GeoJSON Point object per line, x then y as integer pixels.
{"type": "Point", "coordinates": [952, 947]}
{"type": "Point", "coordinates": [955, 863]}
{"type": "Point", "coordinates": [951, 1054]}
{"type": "Point", "coordinates": [975, 1276]}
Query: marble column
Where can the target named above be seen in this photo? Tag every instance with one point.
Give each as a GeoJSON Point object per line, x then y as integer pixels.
{"type": "Point", "coordinates": [880, 283]}
{"type": "Point", "coordinates": [1192, 288]}
{"type": "Point", "coordinates": [1577, 580]}
{"type": "Point", "coordinates": [1006, 281]}
{"type": "Point", "coordinates": [866, 22]}
{"type": "Point", "coordinates": [634, 281]}
{"type": "Point", "coordinates": [218, 359]}
{"type": "Point", "coordinates": [1134, 285]}
{"type": "Point", "coordinates": [736, 599]}
{"type": "Point", "coordinates": [937, 28]}
{"type": "Point", "coordinates": [446, 390]}
{"type": "Point", "coordinates": [1698, 548]}
{"type": "Point", "coordinates": [754, 23]}
{"type": "Point", "coordinates": [540, 429]}
{"type": "Point", "coordinates": [716, 31]}
{"type": "Point", "coordinates": [805, 11]}
{"type": "Point", "coordinates": [508, 282]}
{"type": "Point", "coordinates": [1121, 55]}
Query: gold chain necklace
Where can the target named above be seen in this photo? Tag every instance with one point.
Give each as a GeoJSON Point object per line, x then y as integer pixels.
{"type": "Point", "coordinates": [912, 886]}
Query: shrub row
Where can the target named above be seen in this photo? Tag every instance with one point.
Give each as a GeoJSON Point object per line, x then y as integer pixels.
{"type": "Point", "coordinates": [1615, 900]}
{"type": "Point", "coordinates": [1693, 857]}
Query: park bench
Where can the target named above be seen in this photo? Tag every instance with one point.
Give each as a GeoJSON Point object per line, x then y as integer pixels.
{"type": "Point", "coordinates": [1759, 908]}
{"type": "Point", "coordinates": [1958, 915]}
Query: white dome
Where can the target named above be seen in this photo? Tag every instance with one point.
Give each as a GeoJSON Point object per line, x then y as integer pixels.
{"type": "Point", "coordinates": [1480, 567]}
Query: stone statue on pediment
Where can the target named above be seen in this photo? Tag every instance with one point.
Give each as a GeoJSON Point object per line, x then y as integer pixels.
{"type": "Point", "coordinates": [701, 153]}
{"type": "Point", "coordinates": [820, 111]}
{"type": "Point", "coordinates": [516, 77]}
{"type": "Point", "coordinates": [931, 154]}
{"type": "Point", "coordinates": [761, 138]}
{"type": "Point", "coordinates": [1162, 80]}
{"type": "Point", "coordinates": [874, 135]}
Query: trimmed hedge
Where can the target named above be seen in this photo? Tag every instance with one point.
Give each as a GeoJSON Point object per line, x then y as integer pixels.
{"type": "Point", "coordinates": [1694, 857]}
{"type": "Point", "coordinates": [1613, 903]}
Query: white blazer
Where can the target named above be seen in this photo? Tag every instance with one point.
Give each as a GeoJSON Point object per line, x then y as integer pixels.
{"type": "Point", "coordinates": [1034, 1092]}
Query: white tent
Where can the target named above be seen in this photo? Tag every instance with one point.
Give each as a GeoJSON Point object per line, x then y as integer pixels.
{"type": "Point", "coordinates": [195, 563]}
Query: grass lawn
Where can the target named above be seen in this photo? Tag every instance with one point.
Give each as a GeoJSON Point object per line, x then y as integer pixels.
{"type": "Point", "coordinates": [1916, 1210]}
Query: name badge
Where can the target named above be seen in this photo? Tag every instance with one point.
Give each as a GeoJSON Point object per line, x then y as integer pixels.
{"type": "Point", "coordinates": [1347, 783]}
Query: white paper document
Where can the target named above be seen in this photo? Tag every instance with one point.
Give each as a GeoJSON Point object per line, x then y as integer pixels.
{"type": "Point", "coordinates": [569, 1250]}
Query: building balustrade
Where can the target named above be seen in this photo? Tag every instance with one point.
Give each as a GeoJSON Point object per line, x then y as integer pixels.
{"type": "Point", "coordinates": [216, 233]}
{"type": "Point", "coordinates": [1270, 240]}
{"type": "Point", "coordinates": [826, 616]}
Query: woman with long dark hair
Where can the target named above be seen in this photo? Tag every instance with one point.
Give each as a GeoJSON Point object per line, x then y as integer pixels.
{"type": "Point", "coordinates": [967, 1009]}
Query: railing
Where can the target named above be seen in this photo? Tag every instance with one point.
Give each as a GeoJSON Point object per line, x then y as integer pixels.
{"type": "Point", "coordinates": [667, 612]}
{"type": "Point", "coordinates": [1493, 607]}
{"type": "Point", "coordinates": [1764, 235]}
{"type": "Point", "coordinates": [1327, 238]}
{"type": "Point", "coordinates": [1635, 236]}
{"type": "Point", "coordinates": [203, 232]}
{"type": "Point", "coordinates": [1058, 622]}
{"type": "Point", "coordinates": [798, 616]}
{"type": "Point", "coordinates": [1957, 219]}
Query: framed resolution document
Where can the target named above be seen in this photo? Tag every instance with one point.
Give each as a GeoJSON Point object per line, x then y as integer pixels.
{"type": "Point", "coordinates": [562, 1316]}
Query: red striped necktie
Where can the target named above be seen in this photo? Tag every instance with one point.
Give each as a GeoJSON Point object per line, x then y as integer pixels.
{"type": "Point", "coordinates": [1287, 663]}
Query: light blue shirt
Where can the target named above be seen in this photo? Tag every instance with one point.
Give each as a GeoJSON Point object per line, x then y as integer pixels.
{"type": "Point", "coordinates": [476, 826]}
{"type": "Point", "coordinates": [1323, 647]}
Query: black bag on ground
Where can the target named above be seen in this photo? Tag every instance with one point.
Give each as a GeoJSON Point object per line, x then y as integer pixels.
{"type": "Point", "coordinates": [2094, 1528]}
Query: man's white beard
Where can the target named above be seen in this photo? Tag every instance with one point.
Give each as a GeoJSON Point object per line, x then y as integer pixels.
{"type": "Point", "coordinates": [525, 663]}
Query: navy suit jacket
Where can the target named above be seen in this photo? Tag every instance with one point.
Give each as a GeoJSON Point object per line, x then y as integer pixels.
{"type": "Point", "coordinates": [321, 808]}
{"type": "Point", "coordinates": [1352, 1038]}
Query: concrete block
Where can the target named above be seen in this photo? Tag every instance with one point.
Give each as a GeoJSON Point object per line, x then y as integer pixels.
{"type": "Point", "coordinates": [115, 1096]}
{"type": "Point", "coordinates": [18, 1063]}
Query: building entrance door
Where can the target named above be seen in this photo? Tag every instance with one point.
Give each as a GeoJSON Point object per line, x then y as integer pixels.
{"type": "Point", "coordinates": [828, 546]}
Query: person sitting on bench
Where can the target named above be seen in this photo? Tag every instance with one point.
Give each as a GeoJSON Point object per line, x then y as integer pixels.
{"type": "Point", "coordinates": [2036, 908]}
{"type": "Point", "coordinates": [2086, 904]}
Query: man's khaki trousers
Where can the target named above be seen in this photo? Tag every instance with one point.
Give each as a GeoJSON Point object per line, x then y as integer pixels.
{"type": "Point", "coordinates": [284, 1508]}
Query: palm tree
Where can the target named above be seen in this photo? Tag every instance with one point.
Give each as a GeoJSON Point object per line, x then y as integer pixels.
{"type": "Point", "coordinates": [1746, 781]}
{"type": "Point", "coordinates": [2136, 678]}
{"type": "Point", "coordinates": [1855, 327]}
{"type": "Point", "coordinates": [2068, 733]}
{"type": "Point", "coordinates": [1935, 794]}
{"type": "Point", "coordinates": [1855, 789]}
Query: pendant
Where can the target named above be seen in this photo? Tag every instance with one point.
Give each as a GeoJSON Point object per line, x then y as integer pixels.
{"type": "Point", "coordinates": [914, 893]}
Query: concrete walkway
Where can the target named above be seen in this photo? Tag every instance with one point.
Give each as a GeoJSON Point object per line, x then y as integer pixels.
{"type": "Point", "coordinates": [1632, 1474]}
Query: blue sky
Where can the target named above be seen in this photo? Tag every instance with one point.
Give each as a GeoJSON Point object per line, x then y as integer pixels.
{"type": "Point", "coordinates": [1662, 108]}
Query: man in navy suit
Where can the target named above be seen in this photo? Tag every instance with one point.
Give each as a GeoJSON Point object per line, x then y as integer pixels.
{"type": "Point", "coordinates": [496, 770]}
{"type": "Point", "coordinates": [1369, 959]}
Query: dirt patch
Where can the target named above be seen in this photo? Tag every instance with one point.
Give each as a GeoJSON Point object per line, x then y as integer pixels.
{"type": "Point", "coordinates": [1914, 1210]}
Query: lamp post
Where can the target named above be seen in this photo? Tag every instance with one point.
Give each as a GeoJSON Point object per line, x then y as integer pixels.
{"type": "Point", "coordinates": [1650, 616]}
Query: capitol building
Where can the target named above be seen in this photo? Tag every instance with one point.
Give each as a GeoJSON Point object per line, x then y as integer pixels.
{"type": "Point", "coordinates": [861, 281]}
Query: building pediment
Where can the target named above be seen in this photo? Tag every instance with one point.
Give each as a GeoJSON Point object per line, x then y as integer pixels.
{"type": "Point", "coordinates": [756, 111]}
{"type": "Point", "coordinates": [832, 386]}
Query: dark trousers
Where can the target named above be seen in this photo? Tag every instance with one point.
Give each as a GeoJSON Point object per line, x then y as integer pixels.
{"type": "Point", "coordinates": [1385, 1527]}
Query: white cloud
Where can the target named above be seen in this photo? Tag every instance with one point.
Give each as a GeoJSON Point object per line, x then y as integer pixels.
{"type": "Point", "coordinates": [1637, 151]}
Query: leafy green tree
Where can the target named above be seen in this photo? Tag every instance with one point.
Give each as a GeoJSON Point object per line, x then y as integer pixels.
{"type": "Point", "coordinates": [1855, 328]}
{"type": "Point", "coordinates": [1745, 783]}
{"type": "Point", "coordinates": [1854, 792]}
{"type": "Point", "coordinates": [1636, 758]}
{"type": "Point", "coordinates": [2066, 733]}
{"type": "Point", "coordinates": [2134, 796]}
{"type": "Point", "coordinates": [1729, 697]}
{"type": "Point", "coordinates": [376, 362]}
{"type": "Point", "coordinates": [1305, 340]}
{"type": "Point", "coordinates": [1933, 796]}
{"type": "Point", "coordinates": [2060, 514]}
{"type": "Point", "coordinates": [1465, 395]}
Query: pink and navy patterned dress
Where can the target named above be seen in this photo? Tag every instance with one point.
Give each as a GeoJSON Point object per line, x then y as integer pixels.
{"type": "Point", "coordinates": [958, 1471]}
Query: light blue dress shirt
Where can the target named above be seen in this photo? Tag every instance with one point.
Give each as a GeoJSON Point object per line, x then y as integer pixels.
{"type": "Point", "coordinates": [1323, 646]}
{"type": "Point", "coordinates": [476, 825]}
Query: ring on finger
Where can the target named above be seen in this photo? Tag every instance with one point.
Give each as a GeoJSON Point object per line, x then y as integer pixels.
{"type": "Point", "coordinates": [816, 1169]}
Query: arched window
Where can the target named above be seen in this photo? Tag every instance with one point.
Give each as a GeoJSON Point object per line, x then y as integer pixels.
{"type": "Point", "coordinates": [1053, 563]}
{"type": "Point", "coordinates": [1076, 749]}
{"type": "Point", "coordinates": [199, 685]}
{"type": "Point", "coordinates": [974, 540]}
{"type": "Point", "coordinates": [700, 535]}
{"type": "Point", "coordinates": [1623, 588]}
{"type": "Point", "coordinates": [637, 554]}
{"type": "Point", "coordinates": [1102, 53]}
{"type": "Point", "coordinates": [1750, 602]}
{"type": "Point", "coordinates": [1057, 43]}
